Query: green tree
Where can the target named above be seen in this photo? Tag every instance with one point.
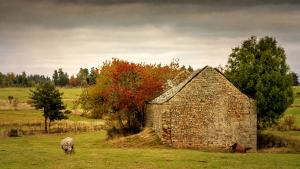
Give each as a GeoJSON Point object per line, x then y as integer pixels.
{"type": "Point", "coordinates": [259, 69]}
{"type": "Point", "coordinates": [55, 77]}
{"type": "Point", "coordinates": [34, 80]}
{"type": "Point", "coordinates": [190, 69]}
{"type": "Point", "coordinates": [92, 76]}
{"type": "Point", "coordinates": [21, 80]}
{"type": "Point", "coordinates": [295, 79]}
{"type": "Point", "coordinates": [182, 68]}
{"type": "Point", "coordinates": [48, 99]}
{"type": "Point", "coordinates": [10, 79]}
{"type": "Point", "coordinates": [63, 78]}
{"type": "Point", "coordinates": [82, 76]}
{"type": "Point", "coordinates": [2, 77]}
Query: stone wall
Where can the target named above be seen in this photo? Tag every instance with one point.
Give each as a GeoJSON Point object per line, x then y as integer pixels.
{"type": "Point", "coordinates": [207, 113]}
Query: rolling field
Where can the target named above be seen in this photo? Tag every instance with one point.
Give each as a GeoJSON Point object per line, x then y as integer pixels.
{"type": "Point", "coordinates": [30, 121]}
{"type": "Point", "coordinates": [29, 115]}
{"type": "Point", "coordinates": [22, 94]}
{"type": "Point", "coordinates": [91, 151]}
{"type": "Point", "coordinates": [297, 96]}
{"type": "Point", "coordinates": [294, 109]}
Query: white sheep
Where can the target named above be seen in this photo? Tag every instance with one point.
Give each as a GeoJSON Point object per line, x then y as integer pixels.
{"type": "Point", "coordinates": [67, 144]}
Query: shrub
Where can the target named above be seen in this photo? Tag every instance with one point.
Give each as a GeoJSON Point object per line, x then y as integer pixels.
{"type": "Point", "coordinates": [14, 133]}
{"type": "Point", "coordinates": [10, 99]}
{"type": "Point", "coordinates": [67, 112]}
{"type": "Point", "coordinates": [268, 141]}
{"type": "Point", "coordinates": [287, 123]}
{"type": "Point", "coordinates": [15, 103]}
{"type": "Point", "coordinates": [112, 132]}
{"type": "Point", "coordinates": [29, 102]}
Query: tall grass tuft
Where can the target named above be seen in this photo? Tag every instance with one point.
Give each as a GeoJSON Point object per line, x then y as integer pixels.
{"type": "Point", "coordinates": [37, 127]}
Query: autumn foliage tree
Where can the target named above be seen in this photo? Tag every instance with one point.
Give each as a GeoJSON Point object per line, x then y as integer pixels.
{"type": "Point", "coordinates": [121, 90]}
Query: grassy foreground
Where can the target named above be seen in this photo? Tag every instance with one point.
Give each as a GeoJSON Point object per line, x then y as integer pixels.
{"type": "Point", "coordinates": [42, 151]}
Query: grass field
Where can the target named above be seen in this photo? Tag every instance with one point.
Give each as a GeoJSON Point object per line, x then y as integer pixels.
{"type": "Point", "coordinates": [30, 121]}
{"type": "Point", "coordinates": [294, 109]}
{"type": "Point", "coordinates": [42, 151]}
{"type": "Point", "coordinates": [297, 96]}
{"type": "Point", "coordinates": [22, 94]}
{"type": "Point", "coordinates": [29, 115]}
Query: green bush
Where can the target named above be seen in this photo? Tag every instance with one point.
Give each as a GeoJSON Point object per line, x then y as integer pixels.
{"type": "Point", "coordinates": [268, 141]}
{"type": "Point", "coordinates": [287, 124]}
{"type": "Point", "coordinates": [14, 133]}
{"type": "Point", "coordinates": [15, 103]}
{"type": "Point", "coordinates": [67, 112]}
{"type": "Point", "coordinates": [10, 99]}
{"type": "Point", "coordinates": [112, 132]}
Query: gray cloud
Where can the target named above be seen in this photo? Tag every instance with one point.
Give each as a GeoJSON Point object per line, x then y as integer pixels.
{"type": "Point", "coordinates": [201, 2]}
{"type": "Point", "coordinates": [43, 35]}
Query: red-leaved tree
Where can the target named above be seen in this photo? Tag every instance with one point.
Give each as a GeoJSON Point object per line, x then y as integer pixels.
{"type": "Point", "coordinates": [123, 88]}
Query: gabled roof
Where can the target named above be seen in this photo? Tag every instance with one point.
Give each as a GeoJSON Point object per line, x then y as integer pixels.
{"type": "Point", "coordinates": [174, 90]}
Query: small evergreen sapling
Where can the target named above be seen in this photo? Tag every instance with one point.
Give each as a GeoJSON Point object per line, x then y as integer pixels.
{"type": "Point", "coordinates": [47, 98]}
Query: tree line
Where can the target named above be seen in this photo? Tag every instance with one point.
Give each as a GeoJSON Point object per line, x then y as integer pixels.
{"type": "Point", "coordinates": [258, 68]}
{"type": "Point", "coordinates": [84, 77]}
{"type": "Point", "coordinates": [21, 80]}
{"type": "Point", "coordinates": [118, 91]}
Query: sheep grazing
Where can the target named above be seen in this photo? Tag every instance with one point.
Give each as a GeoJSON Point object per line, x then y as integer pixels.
{"type": "Point", "coordinates": [67, 144]}
{"type": "Point", "coordinates": [239, 148]}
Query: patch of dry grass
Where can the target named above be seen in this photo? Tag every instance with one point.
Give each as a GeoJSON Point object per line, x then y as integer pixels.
{"type": "Point", "coordinates": [37, 127]}
{"type": "Point", "coordinates": [4, 105]}
{"type": "Point", "coordinates": [273, 141]}
{"type": "Point", "coordinates": [145, 139]}
{"type": "Point", "coordinates": [30, 122]}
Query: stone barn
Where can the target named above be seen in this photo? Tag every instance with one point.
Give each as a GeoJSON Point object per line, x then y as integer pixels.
{"type": "Point", "coordinates": [205, 111]}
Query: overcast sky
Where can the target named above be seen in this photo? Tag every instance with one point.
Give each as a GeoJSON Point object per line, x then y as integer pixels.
{"type": "Point", "coordinates": [38, 36]}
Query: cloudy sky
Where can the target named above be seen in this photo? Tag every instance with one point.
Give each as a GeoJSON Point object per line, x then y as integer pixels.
{"type": "Point", "coordinates": [38, 36]}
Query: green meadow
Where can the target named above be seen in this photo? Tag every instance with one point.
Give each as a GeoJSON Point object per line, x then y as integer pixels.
{"type": "Point", "coordinates": [22, 94]}
{"type": "Point", "coordinates": [92, 150]}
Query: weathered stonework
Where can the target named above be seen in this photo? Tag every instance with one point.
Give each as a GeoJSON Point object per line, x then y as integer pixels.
{"type": "Point", "coordinates": [205, 111]}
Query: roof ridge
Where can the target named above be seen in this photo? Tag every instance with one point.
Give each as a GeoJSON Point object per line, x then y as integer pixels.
{"type": "Point", "coordinates": [166, 96]}
{"type": "Point", "coordinates": [221, 73]}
